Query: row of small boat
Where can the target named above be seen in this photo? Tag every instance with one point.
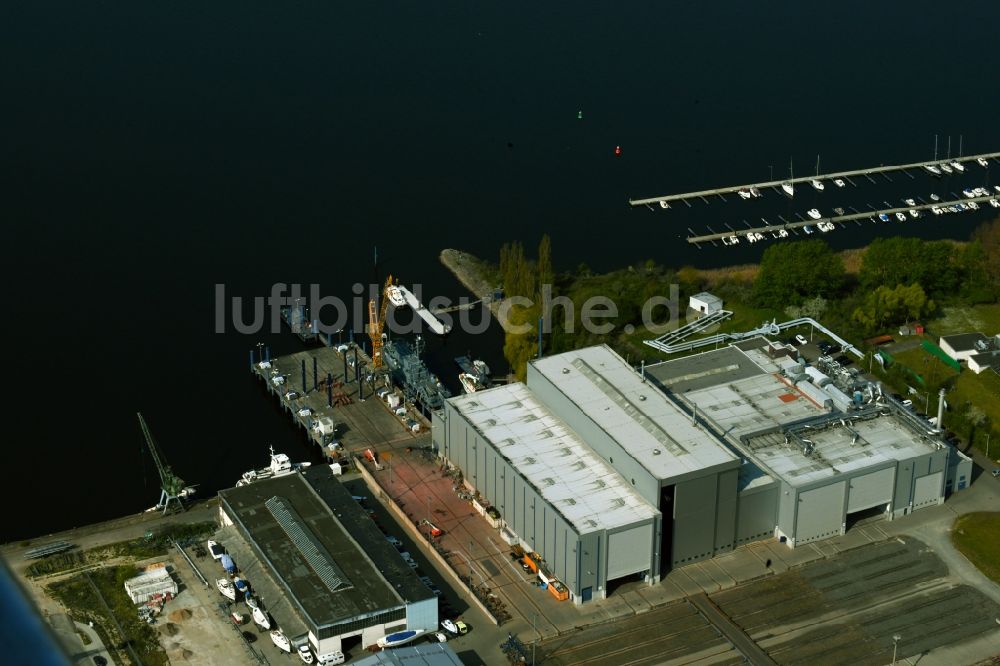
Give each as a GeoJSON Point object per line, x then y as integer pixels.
{"type": "Point", "coordinates": [954, 166]}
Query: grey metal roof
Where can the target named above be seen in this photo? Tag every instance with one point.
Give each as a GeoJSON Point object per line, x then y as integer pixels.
{"type": "Point", "coordinates": [755, 408]}
{"type": "Point", "coordinates": [707, 298]}
{"type": "Point", "coordinates": [578, 484]}
{"type": "Point", "coordinates": [963, 341]}
{"type": "Point", "coordinates": [635, 413]}
{"type": "Point", "coordinates": [324, 553]}
{"type": "Point", "coordinates": [432, 654]}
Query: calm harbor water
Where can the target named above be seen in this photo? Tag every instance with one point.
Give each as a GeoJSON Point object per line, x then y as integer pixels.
{"type": "Point", "coordinates": [152, 151]}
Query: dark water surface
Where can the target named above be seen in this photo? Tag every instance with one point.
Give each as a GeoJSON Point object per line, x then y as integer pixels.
{"type": "Point", "coordinates": [152, 150]}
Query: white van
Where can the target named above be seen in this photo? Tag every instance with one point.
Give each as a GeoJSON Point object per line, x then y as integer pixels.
{"type": "Point", "coordinates": [330, 658]}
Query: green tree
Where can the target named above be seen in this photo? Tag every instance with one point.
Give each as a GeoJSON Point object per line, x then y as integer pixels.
{"type": "Point", "coordinates": [932, 264]}
{"type": "Point", "coordinates": [886, 306]}
{"type": "Point", "coordinates": [988, 238]}
{"type": "Point", "coordinates": [792, 272]}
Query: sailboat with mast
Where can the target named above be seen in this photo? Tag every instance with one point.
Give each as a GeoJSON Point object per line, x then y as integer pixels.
{"type": "Point", "coordinates": [816, 182]}
{"type": "Point", "coordinates": [788, 186]}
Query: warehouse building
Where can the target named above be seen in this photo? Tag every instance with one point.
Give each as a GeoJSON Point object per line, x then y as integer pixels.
{"type": "Point", "coordinates": [696, 456]}
{"type": "Point", "coordinates": [321, 568]}
{"type": "Point", "coordinates": [813, 459]}
{"type": "Point", "coordinates": [676, 466]}
{"type": "Point", "coordinates": [552, 490]}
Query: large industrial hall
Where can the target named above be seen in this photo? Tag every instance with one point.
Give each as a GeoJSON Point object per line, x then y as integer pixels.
{"type": "Point", "coordinates": [610, 472]}
{"type": "Point", "coordinates": [323, 570]}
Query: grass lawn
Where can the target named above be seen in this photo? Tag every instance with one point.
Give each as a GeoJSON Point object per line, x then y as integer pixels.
{"type": "Point", "coordinates": [977, 536]}
{"type": "Point", "coordinates": [982, 318]}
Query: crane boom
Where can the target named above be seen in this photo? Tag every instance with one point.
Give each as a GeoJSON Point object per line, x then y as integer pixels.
{"type": "Point", "coordinates": [172, 487]}
{"type": "Point", "coordinates": [376, 322]}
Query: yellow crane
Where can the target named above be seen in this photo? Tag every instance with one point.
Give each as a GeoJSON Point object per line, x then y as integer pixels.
{"type": "Point", "coordinates": [376, 322]}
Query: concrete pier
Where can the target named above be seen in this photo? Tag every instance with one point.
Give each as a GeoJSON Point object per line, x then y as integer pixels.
{"type": "Point", "coordinates": [925, 210]}
{"type": "Point", "coordinates": [324, 393]}
{"type": "Point", "coordinates": [775, 184]}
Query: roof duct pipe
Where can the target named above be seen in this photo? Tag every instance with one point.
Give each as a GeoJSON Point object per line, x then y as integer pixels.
{"type": "Point", "coordinates": [304, 386]}
{"type": "Point", "coordinates": [694, 413]}
{"type": "Point", "coordinates": [315, 374]}
{"type": "Point", "coordinates": [346, 378]}
{"type": "Point", "coordinates": [940, 425]}
{"type": "Point", "coordinates": [642, 370]}
{"type": "Point", "coordinates": [329, 390]}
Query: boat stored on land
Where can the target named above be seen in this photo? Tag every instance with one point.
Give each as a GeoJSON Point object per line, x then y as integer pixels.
{"type": "Point", "coordinates": [281, 641]}
{"type": "Point", "coordinates": [226, 588]}
{"type": "Point", "coordinates": [399, 638]}
{"type": "Point", "coordinates": [260, 618]}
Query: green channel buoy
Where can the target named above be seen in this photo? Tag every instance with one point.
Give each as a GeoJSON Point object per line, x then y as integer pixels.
{"type": "Point", "coordinates": [579, 115]}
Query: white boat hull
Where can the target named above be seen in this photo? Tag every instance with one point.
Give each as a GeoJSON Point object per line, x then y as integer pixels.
{"type": "Point", "coordinates": [260, 619]}
{"type": "Point", "coordinates": [226, 589]}
{"type": "Point", "coordinates": [280, 640]}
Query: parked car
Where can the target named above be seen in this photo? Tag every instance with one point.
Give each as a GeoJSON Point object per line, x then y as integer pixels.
{"type": "Point", "coordinates": [834, 348]}
{"type": "Point", "coordinates": [823, 346]}
{"type": "Point", "coordinates": [393, 540]}
{"type": "Point", "coordinates": [438, 637]}
{"type": "Point", "coordinates": [799, 338]}
{"type": "Point", "coordinates": [996, 473]}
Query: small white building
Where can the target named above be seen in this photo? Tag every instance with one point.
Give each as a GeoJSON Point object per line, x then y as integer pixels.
{"type": "Point", "coordinates": [156, 581]}
{"type": "Point", "coordinates": [705, 303]}
{"type": "Point", "coordinates": [964, 345]}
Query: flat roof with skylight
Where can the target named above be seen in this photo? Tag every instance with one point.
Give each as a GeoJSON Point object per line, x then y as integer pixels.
{"type": "Point", "coordinates": [637, 415]}
{"type": "Point", "coordinates": [550, 456]}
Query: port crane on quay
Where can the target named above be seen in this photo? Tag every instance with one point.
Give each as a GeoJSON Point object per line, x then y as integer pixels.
{"type": "Point", "coordinates": [172, 487]}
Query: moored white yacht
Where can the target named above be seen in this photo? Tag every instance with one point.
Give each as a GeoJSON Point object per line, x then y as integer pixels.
{"type": "Point", "coordinates": [305, 654]}
{"type": "Point", "coordinates": [914, 213]}
{"type": "Point", "coordinates": [813, 213]}
{"type": "Point", "coordinates": [995, 203]}
{"type": "Point", "coordinates": [744, 193]}
{"type": "Point", "coordinates": [818, 184]}
{"type": "Point", "coordinates": [396, 296]}
{"type": "Point", "coordinates": [973, 205]}
{"type": "Point", "coordinates": [664, 205]}
{"type": "Point", "coordinates": [910, 202]}
{"type": "Point", "coordinates": [755, 193]}
{"type": "Point", "coordinates": [901, 217]}
{"type": "Point", "coordinates": [933, 170]}
{"type": "Point", "coordinates": [839, 182]}
{"type": "Point", "coordinates": [935, 197]}
{"type": "Point", "coordinates": [958, 166]}
{"type": "Point", "coordinates": [470, 383]}
{"type": "Point", "coordinates": [280, 466]}
{"type": "Point", "coordinates": [982, 162]}
{"type": "Point", "coordinates": [788, 186]}
{"type": "Point", "coordinates": [945, 168]}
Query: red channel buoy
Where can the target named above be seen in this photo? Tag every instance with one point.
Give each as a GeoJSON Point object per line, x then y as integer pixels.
{"type": "Point", "coordinates": [618, 151]}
